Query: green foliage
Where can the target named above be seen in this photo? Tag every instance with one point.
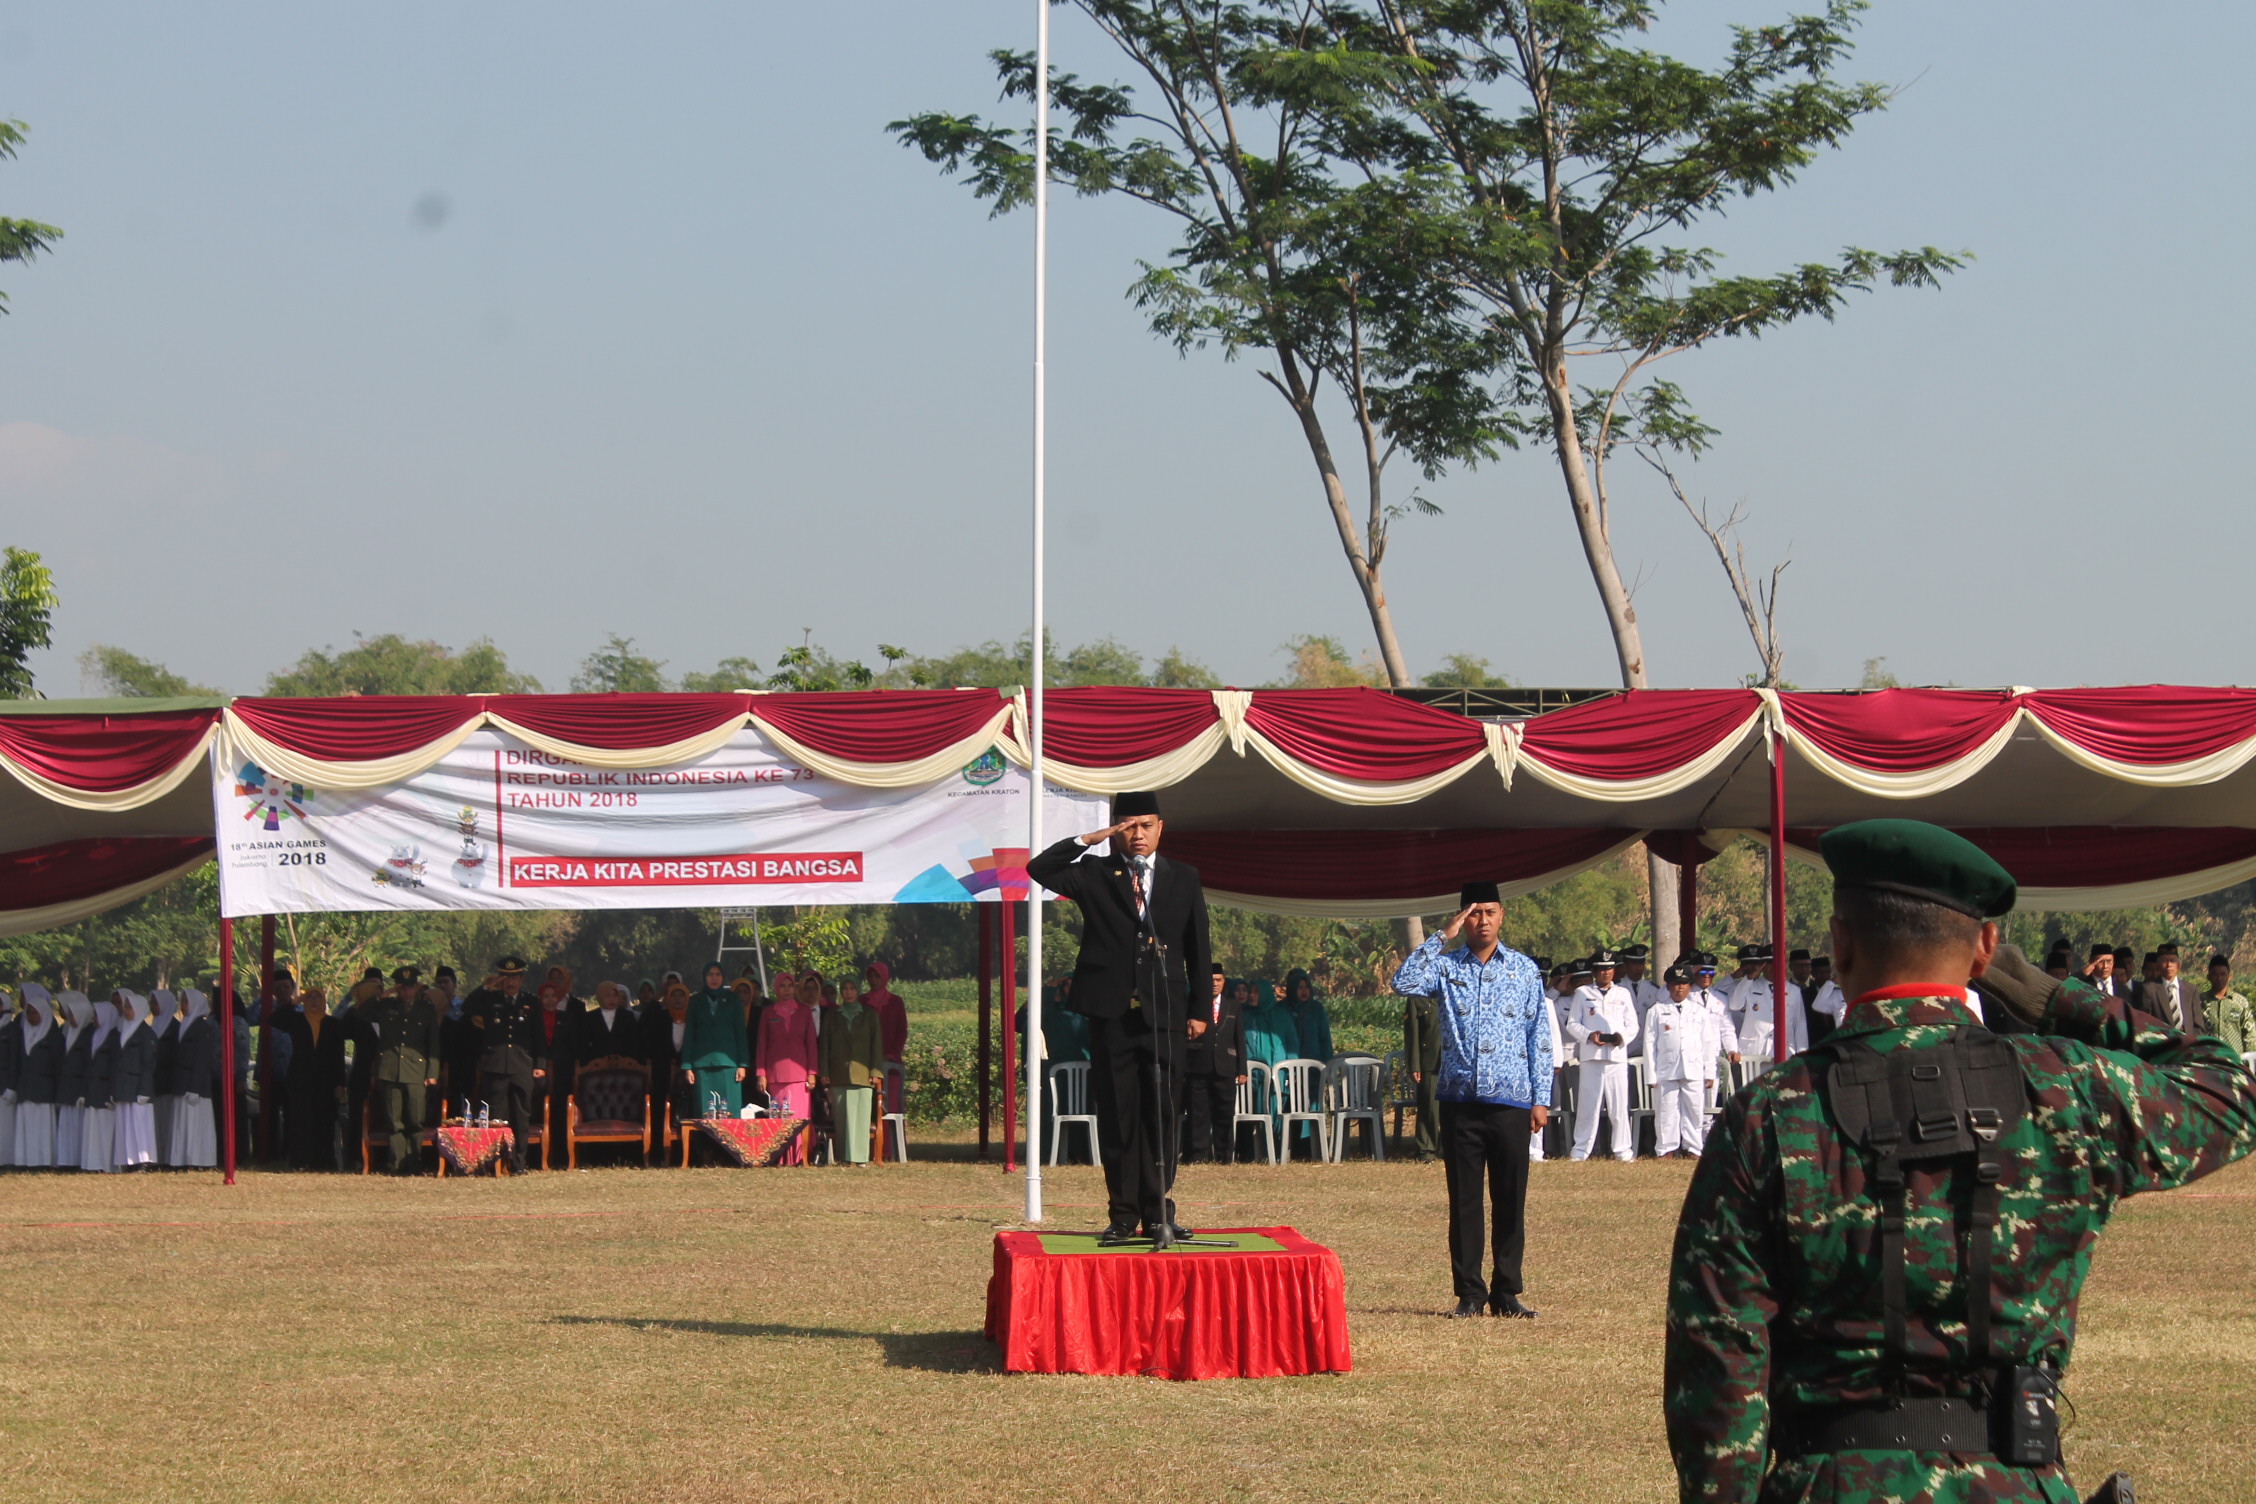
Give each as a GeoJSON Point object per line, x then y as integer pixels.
{"type": "Point", "coordinates": [617, 669]}
{"type": "Point", "coordinates": [728, 675]}
{"type": "Point", "coordinates": [991, 665]}
{"type": "Point", "coordinates": [27, 599]}
{"type": "Point", "coordinates": [1877, 676]}
{"type": "Point", "coordinates": [121, 673]}
{"type": "Point", "coordinates": [820, 937]}
{"type": "Point", "coordinates": [1174, 671]}
{"type": "Point", "coordinates": [20, 239]}
{"type": "Point", "coordinates": [1464, 671]}
{"type": "Point", "coordinates": [1322, 663]}
{"type": "Point", "coordinates": [390, 664]}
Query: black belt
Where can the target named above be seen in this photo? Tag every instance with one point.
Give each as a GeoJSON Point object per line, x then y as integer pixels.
{"type": "Point", "coordinates": [1911, 1425]}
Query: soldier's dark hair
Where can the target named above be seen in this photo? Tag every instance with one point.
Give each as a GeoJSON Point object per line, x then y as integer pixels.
{"type": "Point", "coordinates": [1896, 924]}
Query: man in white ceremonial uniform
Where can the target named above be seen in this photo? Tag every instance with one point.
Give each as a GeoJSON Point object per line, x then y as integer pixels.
{"type": "Point", "coordinates": [1680, 1057]}
{"type": "Point", "coordinates": [1717, 998]}
{"type": "Point", "coordinates": [1637, 979]}
{"type": "Point", "coordinates": [1602, 1026]}
{"type": "Point", "coordinates": [1551, 1003]}
{"type": "Point", "coordinates": [1754, 1017]}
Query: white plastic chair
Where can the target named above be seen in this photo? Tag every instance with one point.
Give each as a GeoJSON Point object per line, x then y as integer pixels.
{"type": "Point", "coordinates": [1300, 1099]}
{"type": "Point", "coordinates": [1355, 1092]}
{"type": "Point", "coordinates": [1640, 1101]}
{"type": "Point", "coordinates": [1069, 1090]}
{"type": "Point", "coordinates": [1255, 1098]}
{"type": "Point", "coordinates": [1401, 1091]}
{"type": "Point", "coordinates": [893, 1133]}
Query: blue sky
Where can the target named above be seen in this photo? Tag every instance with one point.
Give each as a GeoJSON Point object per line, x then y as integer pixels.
{"type": "Point", "coordinates": [543, 322]}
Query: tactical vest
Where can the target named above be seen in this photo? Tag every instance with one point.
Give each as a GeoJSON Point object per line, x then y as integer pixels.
{"type": "Point", "coordinates": [1954, 1101]}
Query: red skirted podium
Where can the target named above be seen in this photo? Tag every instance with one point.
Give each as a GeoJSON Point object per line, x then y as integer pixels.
{"type": "Point", "coordinates": [1271, 1304]}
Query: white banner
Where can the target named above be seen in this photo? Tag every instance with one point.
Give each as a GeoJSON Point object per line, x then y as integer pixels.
{"type": "Point", "coordinates": [500, 825]}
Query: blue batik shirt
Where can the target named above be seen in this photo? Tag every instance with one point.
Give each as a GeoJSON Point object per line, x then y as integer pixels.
{"type": "Point", "coordinates": [1495, 1043]}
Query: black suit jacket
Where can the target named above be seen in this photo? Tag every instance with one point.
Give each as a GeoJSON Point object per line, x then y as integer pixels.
{"type": "Point", "coordinates": [2151, 998]}
{"type": "Point", "coordinates": [1104, 977]}
{"type": "Point", "coordinates": [1220, 1051]}
{"type": "Point", "coordinates": [624, 1037]}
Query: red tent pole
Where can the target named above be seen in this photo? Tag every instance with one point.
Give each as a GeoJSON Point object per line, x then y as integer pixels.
{"type": "Point", "coordinates": [263, 1146]}
{"type": "Point", "coordinates": [986, 1020]}
{"type": "Point", "coordinates": [1009, 1012]}
{"type": "Point", "coordinates": [227, 1049]}
{"type": "Point", "coordinates": [1778, 894]}
{"type": "Point", "coordinates": [1687, 907]}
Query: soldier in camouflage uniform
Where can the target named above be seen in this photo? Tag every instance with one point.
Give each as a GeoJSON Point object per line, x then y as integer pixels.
{"type": "Point", "coordinates": [1776, 1328]}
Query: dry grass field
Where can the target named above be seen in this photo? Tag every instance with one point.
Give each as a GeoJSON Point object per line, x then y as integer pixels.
{"type": "Point", "coordinates": [789, 1334]}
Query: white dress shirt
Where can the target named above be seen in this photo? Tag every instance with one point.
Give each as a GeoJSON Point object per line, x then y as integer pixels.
{"type": "Point", "coordinates": [1609, 1012]}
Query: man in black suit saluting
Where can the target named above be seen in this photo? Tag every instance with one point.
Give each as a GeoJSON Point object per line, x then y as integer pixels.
{"type": "Point", "coordinates": [1143, 938]}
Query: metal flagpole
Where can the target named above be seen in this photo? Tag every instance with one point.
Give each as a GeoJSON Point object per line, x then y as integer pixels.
{"type": "Point", "coordinates": [1034, 1050]}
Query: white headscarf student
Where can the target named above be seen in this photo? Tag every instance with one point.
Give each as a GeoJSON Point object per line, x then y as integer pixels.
{"type": "Point", "coordinates": [11, 1073]}
{"type": "Point", "coordinates": [134, 1089]}
{"type": "Point", "coordinates": [76, 1020]}
{"type": "Point", "coordinates": [164, 1021]}
{"type": "Point", "coordinates": [97, 1140]}
{"type": "Point", "coordinates": [35, 1084]}
{"type": "Point", "coordinates": [194, 1137]}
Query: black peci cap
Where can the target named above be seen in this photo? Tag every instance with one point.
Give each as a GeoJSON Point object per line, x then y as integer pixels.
{"type": "Point", "coordinates": [1473, 893]}
{"type": "Point", "coordinates": [1129, 806]}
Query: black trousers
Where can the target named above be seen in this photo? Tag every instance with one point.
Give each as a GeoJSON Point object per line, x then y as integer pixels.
{"type": "Point", "coordinates": [1476, 1140]}
{"type": "Point", "coordinates": [508, 1095]}
{"type": "Point", "coordinates": [1213, 1102]}
{"type": "Point", "coordinates": [1135, 1116]}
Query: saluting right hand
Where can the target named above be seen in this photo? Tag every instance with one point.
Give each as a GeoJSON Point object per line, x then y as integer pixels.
{"type": "Point", "coordinates": [1449, 930]}
{"type": "Point", "coordinates": [1106, 834]}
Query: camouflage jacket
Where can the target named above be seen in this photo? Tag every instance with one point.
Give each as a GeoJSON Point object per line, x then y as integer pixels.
{"type": "Point", "coordinates": [1774, 1290]}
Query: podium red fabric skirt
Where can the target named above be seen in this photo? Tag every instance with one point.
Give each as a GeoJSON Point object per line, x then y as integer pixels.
{"type": "Point", "coordinates": [1274, 1305]}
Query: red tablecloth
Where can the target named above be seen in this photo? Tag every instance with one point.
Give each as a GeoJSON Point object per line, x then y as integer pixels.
{"type": "Point", "coordinates": [1176, 1315]}
{"type": "Point", "coordinates": [470, 1149]}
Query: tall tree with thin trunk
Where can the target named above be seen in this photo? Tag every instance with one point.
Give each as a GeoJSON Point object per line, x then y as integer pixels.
{"type": "Point", "coordinates": [1581, 164]}
{"type": "Point", "coordinates": [1248, 125]}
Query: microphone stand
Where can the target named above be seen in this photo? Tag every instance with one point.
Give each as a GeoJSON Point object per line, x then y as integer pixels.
{"type": "Point", "coordinates": [1165, 1125]}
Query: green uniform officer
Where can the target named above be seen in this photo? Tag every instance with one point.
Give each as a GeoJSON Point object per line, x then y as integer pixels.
{"type": "Point", "coordinates": [1876, 1272]}
{"type": "Point", "coordinates": [512, 1052]}
{"type": "Point", "coordinates": [1421, 1057]}
{"type": "Point", "coordinates": [406, 1021]}
{"type": "Point", "coordinates": [715, 1051]}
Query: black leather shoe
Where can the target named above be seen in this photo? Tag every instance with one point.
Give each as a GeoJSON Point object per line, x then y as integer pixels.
{"type": "Point", "coordinates": [1510, 1306]}
{"type": "Point", "coordinates": [1469, 1306]}
{"type": "Point", "coordinates": [1176, 1232]}
{"type": "Point", "coordinates": [1115, 1235]}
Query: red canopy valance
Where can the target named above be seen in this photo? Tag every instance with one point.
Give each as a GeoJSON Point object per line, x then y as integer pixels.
{"type": "Point", "coordinates": [1347, 800]}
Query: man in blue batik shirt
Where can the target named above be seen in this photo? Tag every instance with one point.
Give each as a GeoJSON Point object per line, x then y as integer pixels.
{"type": "Point", "coordinates": [1495, 1090]}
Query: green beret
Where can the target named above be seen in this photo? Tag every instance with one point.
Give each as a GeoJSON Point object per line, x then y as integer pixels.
{"type": "Point", "coordinates": [1920, 861]}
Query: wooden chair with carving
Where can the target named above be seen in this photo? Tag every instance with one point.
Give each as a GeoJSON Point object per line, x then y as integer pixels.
{"type": "Point", "coordinates": [609, 1104]}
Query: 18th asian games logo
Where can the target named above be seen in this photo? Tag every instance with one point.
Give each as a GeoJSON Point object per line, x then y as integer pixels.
{"type": "Point", "coordinates": [269, 800]}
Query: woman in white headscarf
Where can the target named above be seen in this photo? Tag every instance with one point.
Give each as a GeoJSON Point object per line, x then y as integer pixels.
{"type": "Point", "coordinates": [97, 1141]}
{"type": "Point", "coordinates": [135, 1142]}
{"type": "Point", "coordinates": [194, 1139]}
{"type": "Point", "coordinates": [11, 1072]}
{"type": "Point", "coordinates": [74, 1021]}
{"type": "Point", "coordinates": [36, 1080]}
{"type": "Point", "coordinates": [164, 1025]}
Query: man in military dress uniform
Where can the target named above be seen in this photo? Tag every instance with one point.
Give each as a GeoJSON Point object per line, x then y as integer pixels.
{"type": "Point", "coordinates": [514, 1058]}
{"type": "Point", "coordinates": [404, 1024]}
{"type": "Point", "coordinates": [1877, 1268]}
{"type": "Point", "coordinates": [1421, 1057]}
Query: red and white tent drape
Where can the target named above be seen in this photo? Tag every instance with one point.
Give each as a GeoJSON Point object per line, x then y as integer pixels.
{"type": "Point", "coordinates": [1314, 801]}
